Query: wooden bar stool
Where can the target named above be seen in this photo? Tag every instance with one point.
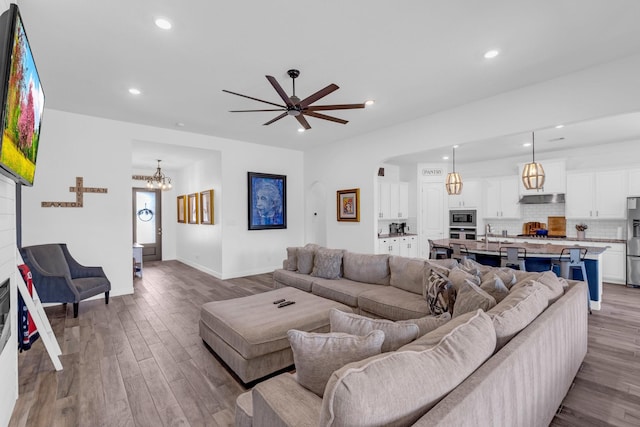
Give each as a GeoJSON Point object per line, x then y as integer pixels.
{"type": "Point", "coordinates": [571, 259]}
{"type": "Point", "coordinates": [460, 252]}
{"type": "Point", "coordinates": [513, 256]}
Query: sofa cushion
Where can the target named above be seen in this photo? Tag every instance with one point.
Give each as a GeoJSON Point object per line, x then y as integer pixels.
{"type": "Point", "coordinates": [293, 279]}
{"type": "Point", "coordinates": [474, 267]}
{"type": "Point", "coordinates": [470, 298]}
{"type": "Point", "coordinates": [518, 309]}
{"type": "Point", "coordinates": [393, 303]}
{"type": "Point", "coordinates": [327, 263]}
{"type": "Point", "coordinates": [305, 260]}
{"type": "Point", "coordinates": [397, 388]}
{"type": "Point", "coordinates": [553, 284]}
{"type": "Point", "coordinates": [435, 336]}
{"type": "Point", "coordinates": [406, 273]}
{"type": "Point", "coordinates": [395, 334]}
{"type": "Point", "coordinates": [495, 287]}
{"type": "Point", "coordinates": [341, 290]}
{"type": "Point", "coordinates": [436, 291]}
{"type": "Point", "coordinates": [291, 263]}
{"type": "Point", "coordinates": [427, 324]}
{"type": "Point", "coordinates": [317, 356]}
{"type": "Point", "coordinates": [244, 410]}
{"type": "Point", "coordinates": [366, 268]}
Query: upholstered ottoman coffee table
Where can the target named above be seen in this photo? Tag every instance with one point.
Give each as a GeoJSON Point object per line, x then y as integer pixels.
{"type": "Point", "coordinates": [250, 333]}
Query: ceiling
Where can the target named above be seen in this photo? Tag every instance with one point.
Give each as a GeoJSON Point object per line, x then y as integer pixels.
{"type": "Point", "coordinates": [413, 58]}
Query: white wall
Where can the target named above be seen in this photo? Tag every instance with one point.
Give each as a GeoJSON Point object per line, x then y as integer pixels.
{"type": "Point", "coordinates": [601, 91]}
{"type": "Point", "coordinates": [200, 245]}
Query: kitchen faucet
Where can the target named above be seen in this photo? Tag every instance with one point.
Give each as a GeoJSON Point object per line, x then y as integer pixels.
{"type": "Point", "coordinates": [487, 231]}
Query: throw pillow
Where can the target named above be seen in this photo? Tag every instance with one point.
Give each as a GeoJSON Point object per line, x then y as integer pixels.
{"type": "Point", "coordinates": [470, 298]}
{"type": "Point", "coordinates": [305, 260]}
{"type": "Point", "coordinates": [428, 323]}
{"type": "Point", "coordinates": [436, 291]}
{"type": "Point", "coordinates": [317, 356]}
{"type": "Point", "coordinates": [327, 263]}
{"type": "Point", "coordinates": [457, 276]}
{"type": "Point", "coordinates": [506, 274]}
{"type": "Point", "coordinates": [292, 259]}
{"type": "Point", "coordinates": [474, 267]}
{"type": "Point", "coordinates": [495, 287]}
{"type": "Point", "coordinates": [396, 334]}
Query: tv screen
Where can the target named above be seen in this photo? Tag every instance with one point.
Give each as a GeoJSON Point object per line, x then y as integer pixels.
{"type": "Point", "coordinates": [22, 100]}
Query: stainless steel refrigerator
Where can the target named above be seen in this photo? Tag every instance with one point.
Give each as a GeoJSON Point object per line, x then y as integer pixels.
{"type": "Point", "coordinates": [633, 241]}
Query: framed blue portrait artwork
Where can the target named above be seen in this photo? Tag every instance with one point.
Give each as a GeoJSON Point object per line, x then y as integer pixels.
{"type": "Point", "coordinates": [267, 201]}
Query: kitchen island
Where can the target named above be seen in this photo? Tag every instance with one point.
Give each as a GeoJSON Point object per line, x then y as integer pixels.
{"type": "Point", "coordinates": [539, 257]}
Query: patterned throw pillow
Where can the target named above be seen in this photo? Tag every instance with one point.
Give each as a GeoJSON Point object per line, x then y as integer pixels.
{"type": "Point", "coordinates": [436, 291]}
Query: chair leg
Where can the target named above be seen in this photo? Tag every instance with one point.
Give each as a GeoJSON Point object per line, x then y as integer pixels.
{"type": "Point", "coordinates": [75, 309]}
{"type": "Point", "coordinates": [106, 297]}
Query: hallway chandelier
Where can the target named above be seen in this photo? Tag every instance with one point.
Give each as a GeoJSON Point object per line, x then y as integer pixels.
{"type": "Point", "coordinates": [533, 173]}
{"type": "Point", "coordinates": [454, 180]}
{"type": "Point", "coordinates": [159, 180]}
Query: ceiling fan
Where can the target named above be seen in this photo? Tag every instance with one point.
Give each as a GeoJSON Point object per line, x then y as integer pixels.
{"type": "Point", "coordinates": [300, 108]}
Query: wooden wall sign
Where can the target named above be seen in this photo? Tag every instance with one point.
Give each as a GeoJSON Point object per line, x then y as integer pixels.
{"type": "Point", "coordinates": [79, 189]}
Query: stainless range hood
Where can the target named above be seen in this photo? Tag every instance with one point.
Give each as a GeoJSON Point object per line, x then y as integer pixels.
{"type": "Point", "coordinates": [536, 199]}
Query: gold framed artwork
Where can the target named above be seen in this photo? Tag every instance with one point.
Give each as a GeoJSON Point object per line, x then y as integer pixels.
{"type": "Point", "coordinates": [206, 207]}
{"type": "Point", "coordinates": [348, 205]}
{"type": "Point", "coordinates": [193, 208]}
{"type": "Point", "coordinates": [182, 209]}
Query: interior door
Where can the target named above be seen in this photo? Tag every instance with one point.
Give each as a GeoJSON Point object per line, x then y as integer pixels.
{"type": "Point", "coordinates": [147, 222]}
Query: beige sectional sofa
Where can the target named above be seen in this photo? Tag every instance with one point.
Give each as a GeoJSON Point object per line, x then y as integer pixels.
{"type": "Point", "coordinates": [508, 365]}
{"type": "Point", "coordinates": [375, 285]}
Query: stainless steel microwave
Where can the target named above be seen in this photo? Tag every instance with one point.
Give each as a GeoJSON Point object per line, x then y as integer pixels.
{"type": "Point", "coordinates": [462, 218]}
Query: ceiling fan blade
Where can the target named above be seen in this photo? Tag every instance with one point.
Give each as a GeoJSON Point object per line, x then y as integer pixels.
{"type": "Point", "coordinates": [280, 91]}
{"type": "Point", "coordinates": [334, 107]}
{"type": "Point", "coordinates": [253, 111]}
{"type": "Point", "coordinates": [255, 99]}
{"type": "Point", "coordinates": [276, 119]}
{"type": "Point", "coordinates": [325, 117]}
{"type": "Point", "coordinates": [305, 124]}
{"type": "Point", "coordinates": [319, 94]}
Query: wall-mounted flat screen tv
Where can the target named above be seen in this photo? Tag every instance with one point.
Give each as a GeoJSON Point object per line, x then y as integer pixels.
{"type": "Point", "coordinates": [21, 100]}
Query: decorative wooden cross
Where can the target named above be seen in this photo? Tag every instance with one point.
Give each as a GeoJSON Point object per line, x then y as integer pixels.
{"type": "Point", "coordinates": [79, 189]}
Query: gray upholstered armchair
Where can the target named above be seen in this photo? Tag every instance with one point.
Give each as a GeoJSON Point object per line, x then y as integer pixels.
{"type": "Point", "coordinates": [60, 278]}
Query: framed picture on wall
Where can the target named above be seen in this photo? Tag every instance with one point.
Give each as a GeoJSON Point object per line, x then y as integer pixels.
{"type": "Point", "coordinates": [193, 208]}
{"type": "Point", "coordinates": [182, 209]}
{"type": "Point", "coordinates": [206, 207]}
{"type": "Point", "coordinates": [267, 201]}
{"type": "Point", "coordinates": [348, 205]}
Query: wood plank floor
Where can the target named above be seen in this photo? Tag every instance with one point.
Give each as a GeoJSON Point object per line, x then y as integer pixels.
{"type": "Point", "coordinates": [140, 362]}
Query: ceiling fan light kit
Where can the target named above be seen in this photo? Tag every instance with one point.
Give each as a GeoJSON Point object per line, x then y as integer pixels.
{"type": "Point", "coordinates": [296, 107]}
{"type": "Point", "coordinates": [533, 173]}
{"type": "Point", "coordinates": [453, 183]}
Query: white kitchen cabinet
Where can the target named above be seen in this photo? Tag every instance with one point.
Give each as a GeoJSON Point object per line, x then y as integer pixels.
{"type": "Point", "coordinates": [555, 179]}
{"type": "Point", "coordinates": [389, 245]}
{"type": "Point", "coordinates": [614, 263]}
{"type": "Point", "coordinates": [384, 200]}
{"type": "Point", "coordinates": [501, 197]}
{"type": "Point", "coordinates": [393, 200]}
{"type": "Point", "coordinates": [409, 246]}
{"type": "Point", "coordinates": [634, 183]}
{"type": "Point", "coordinates": [470, 197]}
{"type": "Point", "coordinates": [596, 194]}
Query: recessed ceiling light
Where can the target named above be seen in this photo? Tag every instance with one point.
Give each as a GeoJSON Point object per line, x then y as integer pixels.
{"type": "Point", "coordinates": [445, 157]}
{"type": "Point", "coordinates": [559, 126]}
{"type": "Point", "coordinates": [134, 91]}
{"type": "Point", "coordinates": [369, 102]}
{"type": "Point", "coordinates": [490, 54]}
{"type": "Point", "coordinates": [300, 130]}
{"type": "Point", "coordinates": [526, 144]}
{"type": "Point", "coordinates": [455, 146]}
{"type": "Point", "coordinates": [163, 23]}
{"type": "Point", "coordinates": [180, 124]}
